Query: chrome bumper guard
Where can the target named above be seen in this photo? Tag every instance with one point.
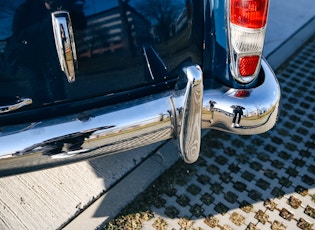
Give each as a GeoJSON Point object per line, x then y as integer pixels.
{"type": "Point", "coordinates": [179, 114]}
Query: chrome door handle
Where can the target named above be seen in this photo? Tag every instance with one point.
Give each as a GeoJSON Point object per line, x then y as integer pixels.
{"type": "Point", "coordinates": [65, 45]}
{"type": "Point", "coordinates": [21, 102]}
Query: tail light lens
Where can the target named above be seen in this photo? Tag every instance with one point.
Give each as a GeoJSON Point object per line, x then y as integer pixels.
{"type": "Point", "coordinates": [247, 29]}
{"type": "Point", "coordinates": [247, 65]}
{"type": "Point", "coordinates": [249, 13]}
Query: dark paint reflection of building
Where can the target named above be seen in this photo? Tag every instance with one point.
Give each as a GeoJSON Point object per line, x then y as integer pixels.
{"type": "Point", "coordinates": [108, 32]}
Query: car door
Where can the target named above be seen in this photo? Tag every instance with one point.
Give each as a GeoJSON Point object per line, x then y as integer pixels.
{"type": "Point", "coordinates": [60, 57]}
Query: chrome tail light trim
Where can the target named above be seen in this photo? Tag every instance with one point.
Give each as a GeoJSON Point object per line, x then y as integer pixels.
{"type": "Point", "coordinates": [112, 129]}
{"type": "Point", "coordinates": [245, 42]}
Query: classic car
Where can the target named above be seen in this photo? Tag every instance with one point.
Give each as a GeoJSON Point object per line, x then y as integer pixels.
{"type": "Point", "coordinates": [81, 79]}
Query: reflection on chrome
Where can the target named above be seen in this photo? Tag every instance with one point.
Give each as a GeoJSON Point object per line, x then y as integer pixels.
{"type": "Point", "coordinates": [19, 103]}
{"type": "Point", "coordinates": [257, 112]}
{"type": "Point", "coordinates": [190, 128]}
{"type": "Point", "coordinates": [155, 118]}
{"type": "Point", "coordinates": [65, 45]}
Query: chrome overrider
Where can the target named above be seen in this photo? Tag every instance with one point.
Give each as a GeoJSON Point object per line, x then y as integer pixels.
{"type": "Point", "coordinates": [180, 113]}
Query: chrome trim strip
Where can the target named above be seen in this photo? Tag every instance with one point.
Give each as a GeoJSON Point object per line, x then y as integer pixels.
{"type": "Point", "coordinates": [148, 63]}
{"type": "Point", "coordinates": [136, 123]}
{"type": "Point", "coordinates": [21, 102]}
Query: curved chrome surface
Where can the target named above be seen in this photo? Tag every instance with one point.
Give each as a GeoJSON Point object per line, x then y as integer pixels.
{"type": "Point", "coordinates": [245, 112]}
{"type": "Point", "coordinates": [65, 45]}
{"type": "Point", "coordinates": [190, 132]}
{"type": "Point", "coordinates": [136, 123]}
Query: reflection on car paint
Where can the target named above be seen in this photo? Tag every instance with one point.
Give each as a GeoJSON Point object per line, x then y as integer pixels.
{"type": "Point", "coordinates": [114, 41]}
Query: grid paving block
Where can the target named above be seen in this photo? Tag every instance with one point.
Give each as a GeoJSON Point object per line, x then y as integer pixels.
{"type": "Point", "coordinates": [265, 181]}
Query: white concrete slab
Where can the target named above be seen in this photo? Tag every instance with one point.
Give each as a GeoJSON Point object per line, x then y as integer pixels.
{"type": "Point", "coordinates": [109, 205]}
{"type": "Point", "coordinates": [290, 24]}
{"type": "Point", "coordinates": [49, 198]}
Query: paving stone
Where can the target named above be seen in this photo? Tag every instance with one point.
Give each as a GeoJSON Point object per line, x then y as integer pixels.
{"type": "Point", "coordinates": [262, 217]}
{"type": "Point", "coordinates": [239, 186]}
{"type": "Point", "coordinates": [171, 212]}
{"type": "Point", "coordinates": [234, 168]}
{"type": "Point", "coordinates": [285, 182]}
{"type": "Point", "coordinates": [183, 200]}
{"type": "Point", "coordinates": [302, 131]}
{"type": "Point", "coordinates": [212, 221]}
{"type": "Point", "coordinates": [311, 169]}
{"type": "Point", "coordinates": [310, 211]}
{"type": "Point", "coordinates": [255, 195]}
{"type": "Point", "coordinates": [310, 144]}
{"type": "Point", "coordinates": [301, 190]}
{"type": "Point", "coordinates": [299, 162]}
{"type": "Point", "coordinates": [270, 174]}
{"type": "Point", "coordinates": [305, 153]}
{"type": "Point", "coordinates": [270, 204]}
{"type": "Point", "coordinates": [292, 172]}
{"type": "Point", "coordinates": [216, 188]}
{"type": "Point", "coordinates": [193, 189]}
{"type": "Point", "coordinates": [308, 180]}
{"type": "Point", "coordinates": [207, 199]}
{"type": "Point", "coordinates": [270, 148]}
{"type": "Point", "coordinates": [304, 224]}
{"type": "Point", "coordinates": [203, 179]}
{"type": "Point", "coordinates": [252, 226]}
{"type": "Point", "coordinates": [221, 208]}
{"type": "Point", "coordinates": [262, 182]}
{"type": "Point", "coordinates": [277, 225]}
{"type": "Point", "coordinates": [294, 202]}
{"type": "Point", "coordinates": [221, 160]}
{"type": "Point", "coordinates": [277, 192]}
{"type": "Point", "coordinates": [197, 210]}
{"type": "Point", "coordinates": [284, 155]}
{"type": "Point", "coordinates": [171, 191]}
{"type": "Point", "coordinates": [248, 176]}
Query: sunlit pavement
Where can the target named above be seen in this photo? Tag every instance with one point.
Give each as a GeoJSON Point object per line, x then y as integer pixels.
{"type": "Point", "coordinates": [264, 181]}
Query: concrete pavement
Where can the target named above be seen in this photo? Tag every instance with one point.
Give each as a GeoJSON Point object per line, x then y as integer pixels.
{"type": "Point", "coordinates": [290, 24]}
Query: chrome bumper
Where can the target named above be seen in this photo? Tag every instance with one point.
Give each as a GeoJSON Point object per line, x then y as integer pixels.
{"type": "Point", "coordinates": [179, 114]}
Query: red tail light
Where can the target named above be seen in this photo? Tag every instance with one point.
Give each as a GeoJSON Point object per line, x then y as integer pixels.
{"type": "Point", "coordinates": [247, 28]}
{"type": "Point", "coordinates": [247, 65]}
{"type": "Point", "coordinates": [249, 13]}
{"type": "Point", "coordinates": [242, 93]}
